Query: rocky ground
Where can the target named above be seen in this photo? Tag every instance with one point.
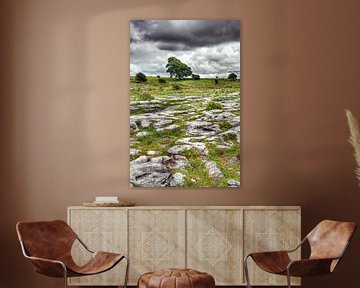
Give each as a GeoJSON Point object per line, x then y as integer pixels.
{"type": "Point", "coordinates": [191, 141]}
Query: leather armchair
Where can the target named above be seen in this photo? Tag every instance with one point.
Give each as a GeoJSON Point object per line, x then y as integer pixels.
{"type": "Point", "coordinates": [48, 245]}
{"type": "Point", "coordinates": [328, 242]}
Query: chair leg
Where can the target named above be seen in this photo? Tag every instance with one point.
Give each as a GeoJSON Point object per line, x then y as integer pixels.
{"type": "Point", "coordinates": [288, 278]}
{"type": "Point", "coordinates": [246, 270]}
{"type": "Point", "coordinates": [127, 271]}
{"type": "Point", "coordinates": [65, 276]}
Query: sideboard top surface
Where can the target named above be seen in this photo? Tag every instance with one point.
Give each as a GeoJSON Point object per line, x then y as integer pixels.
{"type": "Point", "coordinates": [193, 207]}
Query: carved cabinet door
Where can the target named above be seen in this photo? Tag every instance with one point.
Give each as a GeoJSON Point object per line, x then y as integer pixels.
{"type": "Point", "coordinates": [101, 230]}
{"type": "Point", "coordinates": [271, 230]}
{"type": "Point", "coordinates": [156, 240]}
{"type": "Point", "coordinates": [214, 244]}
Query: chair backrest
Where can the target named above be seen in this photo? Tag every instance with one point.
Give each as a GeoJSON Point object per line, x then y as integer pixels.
{"type": "Point", "coordinates": [329, 239]}
{"type": "Point", "coordinates": [46, 239]}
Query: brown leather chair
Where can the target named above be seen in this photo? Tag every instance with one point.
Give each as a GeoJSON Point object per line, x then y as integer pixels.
{"type": "Point", "coordinates": [48, 245]}
{"type": "Point", "coordinates": [328, 242]}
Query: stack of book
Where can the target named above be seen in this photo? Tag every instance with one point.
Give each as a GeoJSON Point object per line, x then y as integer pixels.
{"type": "Point", "coordinates": [106, 199]}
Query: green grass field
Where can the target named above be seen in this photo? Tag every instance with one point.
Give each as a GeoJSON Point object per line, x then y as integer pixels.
{"type": "Point", "coordinates": [205, 87]}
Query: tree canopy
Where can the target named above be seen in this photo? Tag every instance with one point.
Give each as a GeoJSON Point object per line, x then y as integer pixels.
{"type": "Point", "coordinates": [232, 76]}
{"type": "Point", "coordinates": [177, 69]}
{"type": "Point", "coordinates": [195, 77]}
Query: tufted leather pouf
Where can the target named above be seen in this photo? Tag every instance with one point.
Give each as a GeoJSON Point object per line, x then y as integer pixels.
{"type": "Point", "coordinates": [176, 278]}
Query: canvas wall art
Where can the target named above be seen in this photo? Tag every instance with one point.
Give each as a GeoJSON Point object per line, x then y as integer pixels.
{"type": "Point", "coordinates": [184, 103]}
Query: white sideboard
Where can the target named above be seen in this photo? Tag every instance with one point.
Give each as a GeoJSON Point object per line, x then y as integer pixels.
{"type": "Point", "coordinates": [213, 239]}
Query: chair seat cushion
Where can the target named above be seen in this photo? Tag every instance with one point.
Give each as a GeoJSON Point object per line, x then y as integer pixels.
{"type": "Point", "coordinates": [176, 278]}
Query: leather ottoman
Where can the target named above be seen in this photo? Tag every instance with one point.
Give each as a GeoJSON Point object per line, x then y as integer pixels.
{"type": "Point", "coordinates": [176, 278]}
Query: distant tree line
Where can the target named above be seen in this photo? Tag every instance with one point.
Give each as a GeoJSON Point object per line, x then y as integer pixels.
{"type": "Point", "coordinates": [179, 70]}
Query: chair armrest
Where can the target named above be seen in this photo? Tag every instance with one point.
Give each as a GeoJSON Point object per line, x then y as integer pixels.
{"type": "Point", "coordinates": [309, 267]}
{"type": "Point", "coordinates": [298, 246]}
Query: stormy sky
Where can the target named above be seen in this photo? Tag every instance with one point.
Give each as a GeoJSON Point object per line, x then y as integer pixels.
{"type": "Point", "coordinates": [210, 47]}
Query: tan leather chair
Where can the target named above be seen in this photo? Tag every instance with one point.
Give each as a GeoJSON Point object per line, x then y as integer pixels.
{"type": "Point", "coordinates": [328, 242]}
{"type": "Point", "coordinates": [48, 245]}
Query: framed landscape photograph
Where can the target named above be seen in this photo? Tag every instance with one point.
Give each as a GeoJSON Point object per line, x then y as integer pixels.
{"type": "Point", "coordinates": [184, 103]}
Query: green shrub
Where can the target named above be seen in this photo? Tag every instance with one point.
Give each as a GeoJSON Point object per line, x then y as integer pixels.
{"type": "Point", "coordinates": [224, 125]}
{"type": "Point", "coordinates": [176, 86]}
{"type": "Point", "coordinates": [162, 81]}
{"type": "Point", "coordinates": [140, 77]}
{"type": "Point", "coordinates": [146, 97]}
{"type": "Point", "coordinates": [213, 105]}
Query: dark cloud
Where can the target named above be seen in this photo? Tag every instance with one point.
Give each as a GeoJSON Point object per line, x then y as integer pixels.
{"type": "Point", "coordinates": [176, 35]}
{"type": "Point", "coordinates": [210, 47]}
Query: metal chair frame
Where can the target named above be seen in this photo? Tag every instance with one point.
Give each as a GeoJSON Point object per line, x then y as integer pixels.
{"type": "Point", "coordinates": [23, 249]}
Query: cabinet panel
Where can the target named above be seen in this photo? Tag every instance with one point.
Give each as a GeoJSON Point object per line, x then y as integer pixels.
{"type": "Point", "coordinates": [270, 230]}
{"type": "Point", "coordinates": [101, 230]}
{"type": "Point", "coordinates": [214, 242]}
{"type": "Point", "coordinates": [156, 240]}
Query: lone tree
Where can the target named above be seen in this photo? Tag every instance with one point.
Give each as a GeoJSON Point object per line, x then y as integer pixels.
{"type": "Point", "coordinates": [177, 68]}
{"type": "Point", "coordinates": [195, 77]}
{"type": "Point", "coordinates": [140, 77]}
{"type": "Point", "coordinates": [232, 76]}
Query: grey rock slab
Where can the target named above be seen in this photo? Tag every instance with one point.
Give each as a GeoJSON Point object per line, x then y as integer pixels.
{"type": "Point", "coordinates": [154, 179]}
{"type": "Point", "coordinates": [223, 146]}
{"type": "Point", "coordinates": [233, 131]}
{"type": "Point", "coordinates": [212, 138]}
{"type": "Point", "coordinates": [154, 172]}
{"type": "Point", "coordinates": [202, 128]}
{"type": "Point", "coordinates": [177, 179]}
{"type": "Point", "coordinates": [160, 159]}
{"type": "Point", "coordinates": [177, 149]}
{"type": "Point", "coordinates": [213, 169]}
{"type": "Point", "coordinates": [145, 123]}
{"type": "Point", "coordinates": [142, 134]}
{"type": "Point", "coordinates": [134, 152]}
{"type": "Point", "coordinates": [133, 126]}
{"type": "Point", "coordinates": [177, 162]}
{"type": "Point", "coordinates": [233, 183]}
{"type": "Point", "coordinates": [170, 127]}
{"type": "Point", "coordinates": [234, 159]}
{"type": "Point", "coordinates": [149, 172]}
{"type": "Point", "coordinates": [171, 108]}
{"type": "Point", "coordinates": [163, 122]}
{"type": "Point", "coordinates": [140, 160]}
{"type": "Point", "coordinates": [188, 140]}
{"type": "Point", "coordinates": [145, 102]}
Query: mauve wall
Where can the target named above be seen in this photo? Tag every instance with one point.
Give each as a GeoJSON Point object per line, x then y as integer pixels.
{"type": "Point", "coordinates": [64, 113]}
